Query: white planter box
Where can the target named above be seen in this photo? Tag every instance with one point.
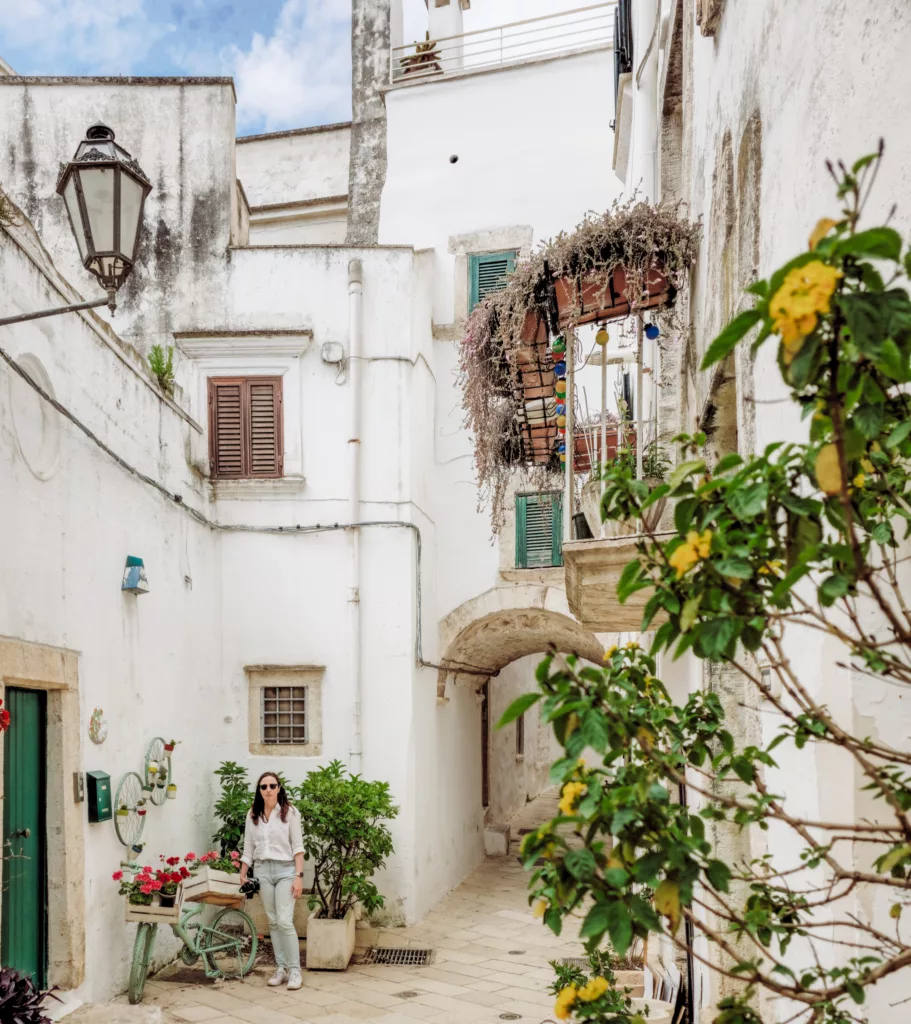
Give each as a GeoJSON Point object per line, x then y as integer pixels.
{"type": "Point", "coordinates": [330, 944]}
{"type": "Point", "coordinates": [155, 913]}
{"type": "Point", "coordinates": [659, 1012]}
{"type": "Point", "coordinates": [210, 886]}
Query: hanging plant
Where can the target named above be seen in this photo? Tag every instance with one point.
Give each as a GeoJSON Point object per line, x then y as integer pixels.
{"type": "Point", "coordinates": [632, 257]}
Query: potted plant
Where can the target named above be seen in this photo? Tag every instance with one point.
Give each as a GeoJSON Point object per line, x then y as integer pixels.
{"type": "Point", "coordinates": [169, 747]}
{"type": "Point", "coordinates": [20, 1000]}
{"type": "Point", "coordinates": [123, 811]}
{"type": "Point", "coordinates": [593, 995]}
{"type": "Point", "coordinates": [212, 879]}
{"type": "Point", "coordinates": [141, 808]}
{"type": "Point", "coordinates": [172, 791]}
{"type": "Point", "coordinates": [161, 778]}
{"type": "Point", "coordinates": [139, 888]}
{"type": "Point", "coordinates": [152, 768]}
{"type": "Point", "coordinates": [346, 837]}
{"type": "Point", "coordinates": [170, 875]}
{"type": "Point", "coordinates": [232, 806]}
{"type": "Point", "coordinates": [425, 58]}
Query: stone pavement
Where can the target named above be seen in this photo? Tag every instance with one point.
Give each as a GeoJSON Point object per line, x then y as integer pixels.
{"type": "Point", "coordinates": [490, 964]}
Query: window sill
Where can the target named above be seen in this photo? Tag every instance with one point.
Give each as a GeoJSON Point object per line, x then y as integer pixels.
{"type": "Point", "coordinates": [287, 749]}
{"type": "Point", "coordinates": [257, 490]}
{"type": "Point", "coordinates": [550, 575]}
{"type": "Point", "coordinates": [520, 758]}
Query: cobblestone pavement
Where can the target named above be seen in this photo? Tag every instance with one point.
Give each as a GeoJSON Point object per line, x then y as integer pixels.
{"type": "Point", "coordinates": [490, 964]}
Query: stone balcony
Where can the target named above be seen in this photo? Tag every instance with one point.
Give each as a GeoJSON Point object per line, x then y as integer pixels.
{"type": "Point", "coordinates": [593, 569]}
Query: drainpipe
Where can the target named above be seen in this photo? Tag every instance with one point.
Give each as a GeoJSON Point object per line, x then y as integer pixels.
{"type": "Point", "coordinates": [645, 105]}
{"type": "Point", "coordinates": [355, 364]}
{"type": "Point", "coordinates": [569, 492]}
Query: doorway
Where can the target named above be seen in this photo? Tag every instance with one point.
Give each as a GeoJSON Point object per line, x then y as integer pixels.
{"type": "Point", "coordinates": [23, 928]}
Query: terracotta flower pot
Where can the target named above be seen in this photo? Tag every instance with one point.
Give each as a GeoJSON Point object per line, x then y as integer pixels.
{"type": "Point", "coordinates": [593, 298]}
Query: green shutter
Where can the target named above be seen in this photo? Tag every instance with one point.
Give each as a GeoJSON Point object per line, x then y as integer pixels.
{"type": "Point", "coordinates": [488, 274]}
{"type": "Point", "coordinates": [539, 531]}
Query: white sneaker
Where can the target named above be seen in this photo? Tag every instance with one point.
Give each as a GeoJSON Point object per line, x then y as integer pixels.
{"type": "Point", "coordinates": [296, 980]}
{"type": "Point", "coordinates": [279, 978]}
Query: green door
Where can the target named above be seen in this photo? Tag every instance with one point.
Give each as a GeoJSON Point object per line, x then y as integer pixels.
{"type": "Point", "coordinates": [23, 928]}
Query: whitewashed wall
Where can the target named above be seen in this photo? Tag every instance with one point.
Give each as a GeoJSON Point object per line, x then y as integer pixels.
{"type": "Point", "coordinates": [831, 102]}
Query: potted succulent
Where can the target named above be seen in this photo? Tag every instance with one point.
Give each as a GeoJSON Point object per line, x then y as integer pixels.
{"type": "Point", "coordinates": [161, 778]}
{"type": "Point", "coordinates": [169, 747]}
{"type": "Point", "coordinates": [123, 811]}
{"type": "Point", "coordinates": [346, 837]}
{"type": "Point", "coordinates": [172, 791]}
{"type": "Point", "coordinates": [141, 808]}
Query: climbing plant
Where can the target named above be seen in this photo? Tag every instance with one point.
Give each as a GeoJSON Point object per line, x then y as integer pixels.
{"type": "Point", "coordinates": [807, 540]}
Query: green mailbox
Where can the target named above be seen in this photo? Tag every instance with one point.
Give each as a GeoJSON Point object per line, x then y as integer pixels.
{"type": "Point", "coordinates": [100, 796]}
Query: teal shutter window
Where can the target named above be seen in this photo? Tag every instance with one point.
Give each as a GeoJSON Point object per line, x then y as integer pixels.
{"type": "Point", "coordinates": [539, 530]}
{"type": "Point", "coordinates": [488, 274]}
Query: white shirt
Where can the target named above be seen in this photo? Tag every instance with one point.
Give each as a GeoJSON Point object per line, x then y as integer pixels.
{"type": "Point", "coordinates": [273, 839]}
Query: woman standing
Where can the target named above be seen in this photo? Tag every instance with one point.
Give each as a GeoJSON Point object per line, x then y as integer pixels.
{"type": "Point", "coordinates": [274, 847]}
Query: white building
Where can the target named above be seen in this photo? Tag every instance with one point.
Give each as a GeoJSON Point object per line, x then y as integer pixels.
{"type": "Point", "coordinates": [292, 270]}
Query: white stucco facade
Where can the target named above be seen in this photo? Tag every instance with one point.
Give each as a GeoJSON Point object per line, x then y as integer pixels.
{"type": "Point", "coordinates": [247, 575]}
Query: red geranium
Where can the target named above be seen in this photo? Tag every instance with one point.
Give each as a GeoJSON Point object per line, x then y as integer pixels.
{"type": "Point", "coordinates": [146, 890]}
{"type": "Point", "coordinates": [4, 719]}
{"type": "Point", "coordinates": [117, 876]}
{"type": "Point", "coordinates": [189, 857]}
{"type": "Point", "coordinates": [173, 860]}
{"type": "Point", "coordinates": [184, 873]}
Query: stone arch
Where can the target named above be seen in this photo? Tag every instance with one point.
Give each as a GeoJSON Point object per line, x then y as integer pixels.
{"type": "Point", "coordinates": [505, 624]}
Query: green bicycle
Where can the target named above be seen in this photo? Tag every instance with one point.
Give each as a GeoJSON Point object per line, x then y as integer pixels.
{"type": "Point", "coordinates": [227, 945]}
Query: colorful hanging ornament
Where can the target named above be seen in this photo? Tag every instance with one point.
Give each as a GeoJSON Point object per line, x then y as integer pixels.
{"type": "Point", "coordinates": [560, 369]}
{"type": "Point", "coordinates": [558, 345]}
{"type": "Point", "coordinates": [560, 407]}
{"type": "Point", "coordinates": [652, 331]}
{"type": "Point", "coordinates": [560, 387]}
{"type": "Point", "coordinates": [602, 337]}
{"type": "Point", "coordinates": [561, 421]}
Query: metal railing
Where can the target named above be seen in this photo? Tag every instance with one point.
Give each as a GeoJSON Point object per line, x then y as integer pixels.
{"type": "Point", "coordinates": [532, 39]}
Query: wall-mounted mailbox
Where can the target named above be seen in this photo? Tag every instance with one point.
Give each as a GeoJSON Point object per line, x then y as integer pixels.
{"type": "Point", "coordinates": [100, 796]}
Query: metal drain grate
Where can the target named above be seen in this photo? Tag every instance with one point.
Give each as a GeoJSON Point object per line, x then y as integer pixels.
{"type": "Point", "coordinates": [407, 995]}
{"type": "Point", "coordinates": [576, 961]}
{"type": "Point", "coordinates": [398, 956]}
{"type": "Point", "coordinates": [510, 1016]}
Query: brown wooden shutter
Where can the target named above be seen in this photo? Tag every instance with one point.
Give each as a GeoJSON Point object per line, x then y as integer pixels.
{"type": "Point", "coordinates": [245, 427]}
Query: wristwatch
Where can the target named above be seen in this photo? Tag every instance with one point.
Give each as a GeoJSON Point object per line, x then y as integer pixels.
{"type": "Point", "coordinates": [300, 874]}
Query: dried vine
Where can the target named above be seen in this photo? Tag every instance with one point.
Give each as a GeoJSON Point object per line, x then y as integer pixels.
{"type": "Point", "coordinates": [632, 235]}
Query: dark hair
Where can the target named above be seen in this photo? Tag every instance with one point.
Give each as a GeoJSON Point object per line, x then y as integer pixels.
{"type": "Point", "coordinates": [259, 805]}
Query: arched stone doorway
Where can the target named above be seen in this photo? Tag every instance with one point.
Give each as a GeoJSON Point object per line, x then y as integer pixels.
{"type": "Point", "coordinates": [491, 645]}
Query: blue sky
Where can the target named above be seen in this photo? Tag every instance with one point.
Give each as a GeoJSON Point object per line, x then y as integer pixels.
{"type": "Point", "coordinates": [290, 59]}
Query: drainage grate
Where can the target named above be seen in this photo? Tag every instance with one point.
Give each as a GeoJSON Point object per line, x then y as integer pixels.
{"type": "Point", "coordinates": [398, 956]}
{"type": "Point", "coordinates": [576, 961]}
{"type": "Point", "coordinates": [407, 995]}
{"type": "Point", "coordinates": [510, 1016]}
{"type": "Point", "coordinates": [517, 952]}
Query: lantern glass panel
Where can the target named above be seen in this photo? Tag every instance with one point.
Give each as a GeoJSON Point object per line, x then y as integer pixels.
{"type": "Point", "coordinates": [98, 192]}
{"type": "Point", "coordinates": [72, 205]}
{"type": "Point", "coordinates": [131, 195]}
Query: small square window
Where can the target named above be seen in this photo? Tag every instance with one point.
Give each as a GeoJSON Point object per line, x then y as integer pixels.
{"type": "Point", "coordinates": [285, 710]}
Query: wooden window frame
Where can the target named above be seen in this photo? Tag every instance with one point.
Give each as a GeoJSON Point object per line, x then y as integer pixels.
{"type": "Point", "coordinates": [522, 501]}
{"type": "Point", "coordinates": [246, 422]}
{"type": "Point", "coordinates": [478, 260]}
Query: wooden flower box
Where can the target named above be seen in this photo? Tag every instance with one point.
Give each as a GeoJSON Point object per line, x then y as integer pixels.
{"type": "Point", "coordinates": [210, 886]}
{"type": "Point", "coordinates": [155, 913]}
{"type": "Point", "coordinates": [590, 300]}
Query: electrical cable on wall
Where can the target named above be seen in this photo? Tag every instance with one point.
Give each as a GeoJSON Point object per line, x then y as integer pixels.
{"type": "Point", "coordinates": [456, 667]}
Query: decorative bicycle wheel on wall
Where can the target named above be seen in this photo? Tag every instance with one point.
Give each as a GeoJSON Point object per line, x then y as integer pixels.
{"type": "Point", "coordinates": [129, 809]}
{"type": "Point", "coordinates": [157, 772]}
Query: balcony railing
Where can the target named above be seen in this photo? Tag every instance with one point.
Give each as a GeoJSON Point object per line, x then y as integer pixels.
{"type": "Point", "coordinates": [532, 39]}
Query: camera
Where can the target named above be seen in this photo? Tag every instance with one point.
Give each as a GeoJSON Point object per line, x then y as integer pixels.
{"type": "Point", "coordinates": [250, 887]}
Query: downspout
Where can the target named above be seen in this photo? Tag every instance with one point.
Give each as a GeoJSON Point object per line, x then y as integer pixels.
{"type": "Point", "coordinates": [355, 362]}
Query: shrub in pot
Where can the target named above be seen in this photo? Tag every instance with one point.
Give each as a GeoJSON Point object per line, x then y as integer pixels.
{"type": "Point", "coordinates": [232, 806]}
{"type": "Point", "coordinates": [345, 835]}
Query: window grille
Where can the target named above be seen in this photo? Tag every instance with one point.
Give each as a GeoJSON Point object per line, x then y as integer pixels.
{"type": "Point", "coordinates": [284, 714]}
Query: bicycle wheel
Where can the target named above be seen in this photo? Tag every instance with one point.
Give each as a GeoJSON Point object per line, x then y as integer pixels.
{"type": "Point", "coordinates": [142, 951]}
{"type": "Point", "coordinates": [229, 944]}
{"type": "Point", "coordinates": [188, 955]}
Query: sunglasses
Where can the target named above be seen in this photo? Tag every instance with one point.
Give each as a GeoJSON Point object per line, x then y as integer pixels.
{"type": "Point", "coordinates": [269, 785]}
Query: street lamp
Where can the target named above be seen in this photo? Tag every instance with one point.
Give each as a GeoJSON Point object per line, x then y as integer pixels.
{"type": "Point", "coordinates": [104, 190]}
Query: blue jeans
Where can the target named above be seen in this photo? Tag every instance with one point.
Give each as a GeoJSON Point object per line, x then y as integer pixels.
{"type": "Point", "coordinates": [275, 880]}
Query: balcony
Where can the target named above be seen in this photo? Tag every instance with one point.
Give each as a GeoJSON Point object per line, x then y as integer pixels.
{"type": "Point", "coordinates": [593, 569]}
{"type": "Point", "coordinates": [554, 35]}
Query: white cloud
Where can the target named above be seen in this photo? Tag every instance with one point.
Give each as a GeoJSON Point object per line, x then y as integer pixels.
{"type": "Point", "coordinates": [301, 74]}
{"type": "Point", "coordinates": [81, 36]}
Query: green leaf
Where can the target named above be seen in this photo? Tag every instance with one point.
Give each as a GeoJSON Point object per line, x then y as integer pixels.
{"type": "Point", "coordinates": [596, 921]}
{"type": "Point", "coordinates": [749, 502]}
{"type": "Point", "coordinates": [738, 568]}
{"type": "Point", "coordinates": [855, 991]}
{"type": "Point", "coordinates": [621, 819]}
{"type": "Point", "coordinates": [832, 588]}
{"type": "Point", "coordinates": [880, 243]}
{"type": "Point", "coordinates": [689, 613]}
{"type": "Point", "coordinates": [898, 434]}
{"type": "Point", "coordinates": [580, 863]}
{"type": "Point", "coordinates": [683, 514]}
{"type": "Point", "coordinates": [619, 927]}
{"type": "Point", "coordinates": [727, 340]}
{"type": "Point", "coordinates": [684, 470]}
{"type": "Point", "coordinates": [744, 769]}
{"type": "Point", "coordinates": [868, 419]}
{"type": "Point", "coordinates": [718, 874]}
{"type": "Point", "coordinates": [860, 164]}
{"type": "Point", "coordinates": [518, 708]}
{"type": "Point", "coordinates": [617, 877]}
{"type": "Point", "coordinates": [715, 635]}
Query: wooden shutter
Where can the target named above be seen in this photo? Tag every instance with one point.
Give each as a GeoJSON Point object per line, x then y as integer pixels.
{"type": "Point", "coordinates": [245, 427]}
{"type": "Point", "coordinates": [488, 274]}
{"type": "Point", "coordinates": [539, 531]}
